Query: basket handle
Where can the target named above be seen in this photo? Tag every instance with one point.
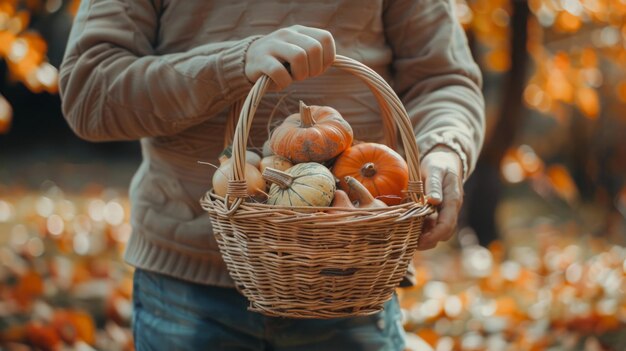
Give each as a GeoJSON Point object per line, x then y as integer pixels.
{"type": "Point", "coordinates": [393, 113]}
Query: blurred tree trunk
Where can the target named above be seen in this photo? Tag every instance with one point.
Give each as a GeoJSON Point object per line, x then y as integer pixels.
{"type": "Point", "coordinates": [511, 109]}
{"type": "Point", "coordinates": [484, 188]}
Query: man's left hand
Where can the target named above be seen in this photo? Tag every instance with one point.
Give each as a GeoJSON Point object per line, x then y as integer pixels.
{"type": "Point", "coordinates": [442, 171]}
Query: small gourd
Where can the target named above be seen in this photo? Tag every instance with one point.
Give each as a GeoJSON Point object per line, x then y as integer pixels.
{"type": "Point", "coordinates": [305, 184]}
{"type": "Point", "coordinates": [315, 134]}
{"type": "Point", "coordinates": [254, 181]}
{"type": "Point", "coordinates": [341, 201]}
{"type": "Point", "coordinates": [274, 161]}
{"type": "Point", "coordinates": [251, 157]}
{"type": "Point", "coordinates": [359, 193]}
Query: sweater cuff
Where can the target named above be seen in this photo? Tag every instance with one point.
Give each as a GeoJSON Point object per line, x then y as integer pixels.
{"type": "Point", "coordinates": [448, 140]}
{"type": "Point", "coordinates": [233, 76]}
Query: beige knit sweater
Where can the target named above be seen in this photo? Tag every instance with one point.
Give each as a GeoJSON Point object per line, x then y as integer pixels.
{"type": "Point", "coordinates": [166, 72]}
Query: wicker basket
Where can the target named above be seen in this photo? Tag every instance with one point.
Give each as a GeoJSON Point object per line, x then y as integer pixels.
{"type": "Point", "coordinates": [301, 262]}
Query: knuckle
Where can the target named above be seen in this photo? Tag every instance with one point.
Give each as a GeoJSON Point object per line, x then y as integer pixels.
{"type": "Point", "coordinates": [326, 37]}
{"type": "Point", "coordinates": [284, 32]}
{"type": "Point", "coordinates": [274, 70]}
{"type": "Point", "coordinates": [300, 54]}
{"type": "Point", "coordinates": [315, 48]}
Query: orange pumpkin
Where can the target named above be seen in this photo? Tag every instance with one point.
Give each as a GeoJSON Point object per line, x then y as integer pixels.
{"type": "Point", "coordinates": [315, 134]}
{"type": "Point", "coordinates": [379, 168]}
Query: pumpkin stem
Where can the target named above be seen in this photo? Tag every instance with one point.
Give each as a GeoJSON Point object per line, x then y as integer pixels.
{"type": "Point", "coordinates": [226, 154]}
{"type": "Point", "coordinates": [306, 117]}
{"type": "Point", "coordinates": [368, 169]}
{"type": "Point", "coordinates": [280, 178]}
{"type": "Point", "coordinates": [363, 196]}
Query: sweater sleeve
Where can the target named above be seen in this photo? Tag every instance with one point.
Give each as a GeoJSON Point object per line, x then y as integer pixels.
{"type": "Point", "coordinates": [436, 77]}
{"type": "Point", "coordinates": [115, 86]}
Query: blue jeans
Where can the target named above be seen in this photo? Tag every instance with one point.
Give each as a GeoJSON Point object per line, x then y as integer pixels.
{"type": "Point", "coordinates": [170, 314]}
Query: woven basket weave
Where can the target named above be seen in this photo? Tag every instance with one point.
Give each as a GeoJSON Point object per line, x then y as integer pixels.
{"type": "Point", "coordinates": [301, 262]}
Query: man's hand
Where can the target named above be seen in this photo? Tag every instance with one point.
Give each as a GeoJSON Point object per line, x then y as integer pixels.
{"type": "Point", "coordinates": [308, 51]}
{"type": "Point", "coordinates": [443, 171]}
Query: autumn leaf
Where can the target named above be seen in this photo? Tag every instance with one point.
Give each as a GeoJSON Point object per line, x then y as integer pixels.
{"type": "Point", "coordinates": [588, 102]}
{"type": "Point", "coordinates": [562, 183]}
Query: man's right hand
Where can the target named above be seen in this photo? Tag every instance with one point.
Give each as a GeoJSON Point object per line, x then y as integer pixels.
{"type": "Point", "coordinates": [308, 51]}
